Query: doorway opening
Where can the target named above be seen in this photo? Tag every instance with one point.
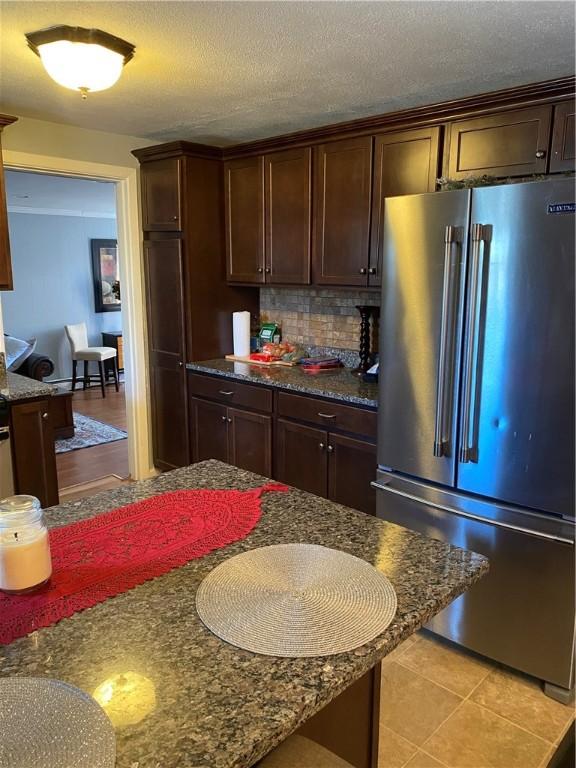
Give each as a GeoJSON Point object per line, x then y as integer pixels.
{"type": "Point", "coordinates": [67, 306]}
{"type": "Point", "coordinates": [136, 390]}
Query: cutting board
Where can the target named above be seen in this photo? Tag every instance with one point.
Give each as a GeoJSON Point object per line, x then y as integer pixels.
{"type": "Point", "coordinates": [238, 359]}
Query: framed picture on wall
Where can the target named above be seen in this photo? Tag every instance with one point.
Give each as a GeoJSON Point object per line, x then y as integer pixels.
{"type": "Point", "coordinates": [106, 275]}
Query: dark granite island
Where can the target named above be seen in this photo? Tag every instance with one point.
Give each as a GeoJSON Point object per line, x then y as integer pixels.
{"type": "Point", "coordinates": [199, 702]}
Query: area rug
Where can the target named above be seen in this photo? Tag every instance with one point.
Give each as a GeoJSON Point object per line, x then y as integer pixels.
{"type": "Point", "coordinates": [89, 432]}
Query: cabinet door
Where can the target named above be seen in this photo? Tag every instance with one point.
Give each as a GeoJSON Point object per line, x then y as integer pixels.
{"type": "Point", "coordinates": [33, 456]}
{"type": "Point", "coordinates": [287, 184]}
{"type": "Point", "coordinates": [301, 457]}
{"type": "Point", "coordinates": [161, 195]}
{"type": "Point", "coordinates": [405, 163]}
{"type": "Point", "coordinates": [511, 143]}
{"type": "Point", "coordinates": [250, 441]}
{"type": "Point", "coordinates": [166, 341]}
{"type": "Point", "coordinates": [563, 152]}
{"type": "Point", "coordinates": [343, 189]}
{"type": "Point", "coordinates": [5, 258]}
{"type": "Point", "coordinates": [351, 469]}
{"type": "Point", "coordinates": [208, 430]}
{"type": "Point", "coordinates": [244, 203]}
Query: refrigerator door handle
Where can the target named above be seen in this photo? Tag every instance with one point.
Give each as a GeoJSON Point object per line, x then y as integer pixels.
{"type": "Point", "coordinates": [471, 515]}
{"type": "Point", "coordinates": [467, 450]}
{"type": "Point", "coordinates": [453, 235]}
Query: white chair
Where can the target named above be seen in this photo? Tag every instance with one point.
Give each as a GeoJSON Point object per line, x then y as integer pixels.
{"type": "Point", "coordinates": [78, 338]}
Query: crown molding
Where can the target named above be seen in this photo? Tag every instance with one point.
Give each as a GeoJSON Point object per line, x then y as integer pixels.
{"type": "Point", "coordinates": [177, 149]}
{"type": "Point", "coordinates": [6, 120]}
{"type": "Point", "coordinates": [30, 210]}
{"type": "Point", "coordinates": [416, 117]}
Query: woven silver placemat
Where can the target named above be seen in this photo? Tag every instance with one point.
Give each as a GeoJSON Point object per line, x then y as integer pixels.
{"type": "Point", "coordinates": [296, 600]}
{"type": "Point", "coordinates": [50, 724]}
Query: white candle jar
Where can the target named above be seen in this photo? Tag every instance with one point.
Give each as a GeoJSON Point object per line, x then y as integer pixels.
{"type": "Point", "coordinates": [25, 562]}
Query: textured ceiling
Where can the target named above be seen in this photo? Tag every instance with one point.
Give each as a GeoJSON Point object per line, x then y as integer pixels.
{"type": "Point", "coordinates": [224, 72]}
{"type": "Point", "coordinates": [43, 193]}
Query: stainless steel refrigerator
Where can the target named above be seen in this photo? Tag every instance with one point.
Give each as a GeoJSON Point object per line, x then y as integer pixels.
{"type": "Point", "coordinates": [476, 409]}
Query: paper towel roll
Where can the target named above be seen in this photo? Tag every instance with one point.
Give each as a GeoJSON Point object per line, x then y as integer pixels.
{"type": "Point", "coordinates": [241, 333]}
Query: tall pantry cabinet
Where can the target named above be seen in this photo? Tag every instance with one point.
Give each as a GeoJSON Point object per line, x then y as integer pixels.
{"type": "Point", "coordinates": [189, 304]}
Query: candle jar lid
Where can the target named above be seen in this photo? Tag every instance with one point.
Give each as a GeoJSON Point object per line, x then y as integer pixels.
{"type": "Point", "coordinates": [19, 510]}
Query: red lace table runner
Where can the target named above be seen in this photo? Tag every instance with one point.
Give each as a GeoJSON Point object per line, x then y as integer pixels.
{"type": "Point", "coordinates": [111, 553]}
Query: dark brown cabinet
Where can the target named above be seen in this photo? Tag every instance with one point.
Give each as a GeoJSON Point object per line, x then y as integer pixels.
{"type": "Point", "coordinates": [326, 463]}
{"type": "Point", "coordinates": [33, 456]}
{"type": "Point", "coordinates": [244, 206]}
{"type": "Point", "coordinates": [343, 199]}
{"type": "Point", "coordinates": [162, 195]}
{"type": "Point", "coordinates": [301, 457]}
{"type": "Point", "coordinates": [513, 143]}
{"type": "Point", "coordinates": [6, 283]}
{"type": "Point", "coordinates": [288, 190]}
{"type": "Point", "coordinates": [232, 435]}
{"type": "Point", "coordinates": [189, 303]}
{"type": "Point", "coordinates": [352, 469]}
{"type": "Point", "coordinates": [563, 154]}
{"type": "Point", "coordinates": [163, 263]}
{"type": "Point", "coordinates": [405, 163]}
{"type": "Point", "coordinates": [268, 218]}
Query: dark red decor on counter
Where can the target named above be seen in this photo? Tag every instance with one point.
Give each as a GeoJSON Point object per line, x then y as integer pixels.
{"type": "Point", "coordinates": [106, 555]}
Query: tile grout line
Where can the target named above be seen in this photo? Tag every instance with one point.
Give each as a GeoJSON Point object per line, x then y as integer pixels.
{"type": "Point", "coordinates": [482, 706]}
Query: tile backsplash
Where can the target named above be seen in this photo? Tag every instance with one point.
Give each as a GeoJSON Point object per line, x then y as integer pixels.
{"type": "Point", "coordinates": [319, 317]}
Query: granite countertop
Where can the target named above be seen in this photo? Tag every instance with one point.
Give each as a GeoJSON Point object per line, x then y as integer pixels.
{"type": "Point", "coordinates": [341, 384]}
{"type": "Point", "coordinates": [202, 703]}
{"type": "Point", "coordinates": [16, 387]}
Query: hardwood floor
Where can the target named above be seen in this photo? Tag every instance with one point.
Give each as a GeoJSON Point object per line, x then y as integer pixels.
{"type": "Point", "coordinates": [89, 464]}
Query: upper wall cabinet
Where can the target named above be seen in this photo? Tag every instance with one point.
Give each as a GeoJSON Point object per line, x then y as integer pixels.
{"type": "Point", "coordinates": [405, 163]}
{"type": "Point", "coordinates": [563, 154]}
{"type": "Point", "coordinates": [268, 209]}
{"type": "Point", "coordinates": [288, 189]}
{"type": "Point", "coordinates": [513, 143]}
{"type": "Point", "coordinates": [343, 197]}
{"type": "Point", "coordinates": [162, 195]}
{"type": "Point", "coordinates": [5, 259]}
{"type": "Point", "coordinates": [244, 203]}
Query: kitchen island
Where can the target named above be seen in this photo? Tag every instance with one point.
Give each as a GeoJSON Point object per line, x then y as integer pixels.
{"type": "Point", "coordinates": [196, 701]}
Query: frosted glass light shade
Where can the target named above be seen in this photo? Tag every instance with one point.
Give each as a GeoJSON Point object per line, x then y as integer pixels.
{"type": "Point", "coordinates": [81, 66]}
{"type": "Point", "coordinates": [82, 59]}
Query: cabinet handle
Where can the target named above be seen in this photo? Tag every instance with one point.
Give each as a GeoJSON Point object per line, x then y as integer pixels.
{"type": "Point", "coordinates": [327, 415]}
{"type": "Point", "coordinates": [540, 153]}
{"type": "Point", "coordinates": [330, 448]}
{"type": "Point", "coordinates": [44, 415]}
{"type": "Point", "coordinates": [321, 446]}
{"type": "Point", "coordinates": [226, 392]}
{"type": "Point", "coordinates": [362, 270]}
{"type": "Point", "coordinates": [267, 270]}
{"type": "Point", "coordinates": [223, 418]}
{"type": "Point", "coordinates": [180, 364]}
{"type": "Point", "coordinates": [260, 270]}
{"type": "Point", "coordinates": [372, 271]}
{"type": "Point", "coordinates": [174, 218]}
{"type": "Point", "coordinates": [229, 420]}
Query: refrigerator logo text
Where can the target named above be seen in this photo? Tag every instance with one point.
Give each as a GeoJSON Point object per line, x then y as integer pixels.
{"type": "Point", "coordinates": [562, 208]}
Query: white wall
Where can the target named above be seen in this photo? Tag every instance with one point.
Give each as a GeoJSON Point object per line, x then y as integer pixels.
{"type": "Point", "coordinates": [40, 137]}
{"type": "Point", "coordinates": [53, 283]}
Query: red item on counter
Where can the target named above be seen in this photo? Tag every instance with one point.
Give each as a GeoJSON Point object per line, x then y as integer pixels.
{"type": "Point", "coordinates": [111, 553]}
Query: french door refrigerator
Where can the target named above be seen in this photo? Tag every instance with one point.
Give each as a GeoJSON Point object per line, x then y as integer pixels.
{"type": "Point", "coordinates": [476, 407]}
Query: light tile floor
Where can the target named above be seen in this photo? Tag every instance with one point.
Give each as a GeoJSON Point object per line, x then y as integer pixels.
{"type": "Point", "coordinates": [443, 707]}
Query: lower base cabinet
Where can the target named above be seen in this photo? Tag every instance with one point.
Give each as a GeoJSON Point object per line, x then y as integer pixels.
{"type": "Point", "coordinates": [327, 464]}
{"type": "Point", "coordinates": [232, 435]}
{"type": "Point", "coordinates": [33, 456]}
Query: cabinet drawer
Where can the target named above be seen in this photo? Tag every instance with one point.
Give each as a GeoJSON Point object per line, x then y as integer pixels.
{"type": "Point", "coordinates": [329, 415]}
{"type": "Point", "coordinates": [230, 392]}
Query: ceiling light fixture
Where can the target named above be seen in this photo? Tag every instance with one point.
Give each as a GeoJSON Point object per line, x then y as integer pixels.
{"type": "Point", "coordinates": [82, 59]}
